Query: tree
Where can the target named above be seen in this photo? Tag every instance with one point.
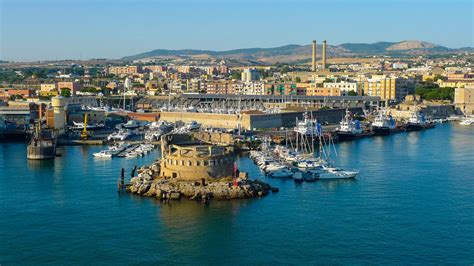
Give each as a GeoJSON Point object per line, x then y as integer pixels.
{"type": "Point", "coordinates": [65, 92]}
{"type": "Point", "coordinates": [298, 79]}
{"type": "Point", "coordinates": [352, 93]}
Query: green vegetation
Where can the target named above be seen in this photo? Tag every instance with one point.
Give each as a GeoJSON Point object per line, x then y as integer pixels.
{"type": "Point", "coordinates": [431, 91]}
{"type": "Point", "coordinates": [9, 76]}
{"type": "Point", "coordinates": [298, 79]}
{"type": "Point", "coordinates": [352, 93]}
{"type": "Point", "coordinates": [65, 92]}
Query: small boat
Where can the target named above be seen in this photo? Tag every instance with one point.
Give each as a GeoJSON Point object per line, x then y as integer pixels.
{"type": "Point", "coordinates": [102, 154]}
{"type": "Point", "coordinates": [80, 126]}
{"type": "Point", "coordinates": [467, 122]}
{"type": "Point", "coordinates": [285, 172]}
{"type": "Point", "coordinates": [120, 135]}
{"type": "Point", "coordinates": [298, 177]}
{"type": "Point", "coordinates": [193, 125]}
{"type": "Point", "coordinates": [310, 177]}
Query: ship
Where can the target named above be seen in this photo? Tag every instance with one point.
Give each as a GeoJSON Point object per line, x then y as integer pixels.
{"type": "Point", "coordinates": [349, 129]}
{"type": "Point", "coordinates": [417, 122]}
{"type": "Point", "coordinates": [383, 124]}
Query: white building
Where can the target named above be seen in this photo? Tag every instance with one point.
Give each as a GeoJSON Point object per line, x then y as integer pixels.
{"type": "Point", "coordinates": [344, 87]}
{"type": "Point", "coordinates": [249, 74]}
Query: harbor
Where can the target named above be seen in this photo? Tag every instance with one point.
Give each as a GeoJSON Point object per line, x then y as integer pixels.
{"type": "Point", "coordinates": [78, 190]}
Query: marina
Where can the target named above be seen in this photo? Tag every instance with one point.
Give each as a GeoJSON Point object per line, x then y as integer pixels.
{"type": "Point", "coordinates": [73, 198]}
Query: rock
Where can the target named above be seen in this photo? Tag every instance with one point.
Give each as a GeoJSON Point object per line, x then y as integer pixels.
{"type": "Point", "coordinates": [175, 195]}
{"type": "Point", "coordinates": [275, 189]}
{"type": "Point", "coordinates": [144, 188]}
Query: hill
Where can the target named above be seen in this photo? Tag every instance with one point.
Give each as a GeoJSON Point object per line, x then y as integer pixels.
{"type": "Point", "coordinates": [295, 52]}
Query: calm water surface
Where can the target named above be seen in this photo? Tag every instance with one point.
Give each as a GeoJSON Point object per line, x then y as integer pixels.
{"type": "Point", "coordinates": [413, 202]}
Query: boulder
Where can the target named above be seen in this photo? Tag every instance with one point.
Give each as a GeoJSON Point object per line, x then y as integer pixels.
{"type": "Point", "coordinates": [175, 195]}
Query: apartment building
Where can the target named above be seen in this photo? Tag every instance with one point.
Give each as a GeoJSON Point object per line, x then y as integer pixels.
{"type": "Point", "coordinates": [464, 99]}
{"type": "Point", "coordinates": [71, 85]}
{"type": "Point", "coordinates": [388, 87]}
{"type": "Point", "coordinates": [220, 87]}
{"type": "Point", "coordinates": [344, 87]}
{"type": "Point", "coordinates": [129, 70]}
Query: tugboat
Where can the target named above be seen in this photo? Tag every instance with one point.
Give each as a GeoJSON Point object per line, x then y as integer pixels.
{"type": "Point", "coordinates": [308, 127]}
{"type": "Point", "coordinates": [383, 124]}
{"type": "Point", "coordinates": [417, 122]}
{"type": "Point", "coordinates": [348, 129]}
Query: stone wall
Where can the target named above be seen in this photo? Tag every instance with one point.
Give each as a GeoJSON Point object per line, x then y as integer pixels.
{"type": "Point", "coordinates": [404, 112]}
{"type": "Point", "coordinates": [206, 119]}
{"type": "Point", "coordinates": [257, 121]}
{"type": "Point", "coordinates": [215, 138]}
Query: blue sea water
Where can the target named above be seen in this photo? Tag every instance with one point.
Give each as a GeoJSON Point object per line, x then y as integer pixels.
{"type": "Point", "coordinates": [413, 203]}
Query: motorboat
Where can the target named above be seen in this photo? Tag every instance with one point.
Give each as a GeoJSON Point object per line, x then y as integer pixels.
{"type": "Point", "coordinates": [285, 172]}
{"type": "Point", "coordinates": [337, 173]}
{"type": "Point", "coordinates": [308, 164]}
{"type": "Point", "coordinates": [120, 135]}
{"type": "Point", "coordinates": [80, 126]}
{"type": "Point", "coordinates": [298, 177]}
{"type": "Point", "coordinates": [193, 125]}
{"type": "Point", "coordinates": [467, 122]}
{"type": "Point", "coordinates": [103, 154]}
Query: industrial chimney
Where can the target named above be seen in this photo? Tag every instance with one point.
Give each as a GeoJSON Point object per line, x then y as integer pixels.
{"type": "Point", "coordinates": [313, 65]}
{"type": "Point", "coordinates": [324, 54]}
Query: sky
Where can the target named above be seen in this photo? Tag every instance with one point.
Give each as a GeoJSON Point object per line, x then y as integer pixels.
{"type": "Point", "coordinates": [32, 30]}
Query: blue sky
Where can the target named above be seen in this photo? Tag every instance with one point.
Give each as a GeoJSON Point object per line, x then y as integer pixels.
{"type": "Point", "coordinates": [63, 29]}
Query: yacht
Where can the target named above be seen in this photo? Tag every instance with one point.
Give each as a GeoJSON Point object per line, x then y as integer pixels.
{"type": "Point", "coordinates": [348, 128]}
{"type": "Point", "coordinates": [383, 123]}
{"type": "Point", "coordinates": [467, 122]}
{"type": "Point", "coordinates": [193, 125]}
{"type": "Point", "coordinates": [80, 126]}
{"type": "Point", "coordinates": [102, 154]}
{"type": "Point", "coordinates": [337, 173]}
{"type": "Point", "coordinates": [132, 124]}
{"type": "Point", "coordinates": [285, 172]}
{"type": "Point", "coordinates": [120, 135]}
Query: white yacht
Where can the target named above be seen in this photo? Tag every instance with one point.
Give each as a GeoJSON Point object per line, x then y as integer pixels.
{"type": "Point", "coordinates": [120, 135]}
{"type": "Point", "coordinates": [467, 122]}
{"type": "Point", "coordinates": [102, 154]}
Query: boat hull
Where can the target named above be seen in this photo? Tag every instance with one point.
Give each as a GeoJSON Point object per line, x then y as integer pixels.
{"type": "Point", "coordinates": [413, 127]}
{"type": "Point", "coordinates": [342, 136]}
{"type": "Point", "coordinates": [381, 131]}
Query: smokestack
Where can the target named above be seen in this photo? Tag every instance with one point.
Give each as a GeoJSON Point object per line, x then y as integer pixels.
{"type": "Point", "coordinates": [313, 65]}
{"type": "Point", "coordinates": [324, 54]}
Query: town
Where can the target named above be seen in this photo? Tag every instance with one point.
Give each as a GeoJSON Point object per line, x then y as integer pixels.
{"type": "Point", "coordinates": [220, 92]}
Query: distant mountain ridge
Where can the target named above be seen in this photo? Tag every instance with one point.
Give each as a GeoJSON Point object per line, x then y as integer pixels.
{"type": "Point", "coordinates": [295, 52]}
